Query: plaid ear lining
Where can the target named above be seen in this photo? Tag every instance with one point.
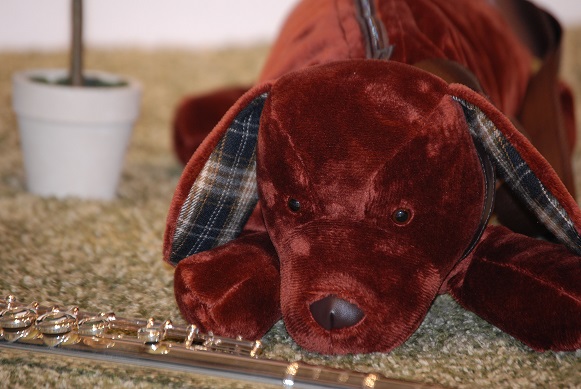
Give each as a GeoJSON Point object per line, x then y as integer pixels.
{"type": "Point", "coordinates": [224, 194]}
{"type": "Point", "coordinates": [514, 170]}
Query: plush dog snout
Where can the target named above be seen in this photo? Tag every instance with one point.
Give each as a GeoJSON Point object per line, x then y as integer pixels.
{"type": "Point", "coordinates": [331, 312]}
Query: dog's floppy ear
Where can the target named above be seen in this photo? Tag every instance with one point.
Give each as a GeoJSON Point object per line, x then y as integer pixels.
{"type": "Point", "coordinates": [217, 191]}
{"type": "Point", "coordinates": [522, 167]}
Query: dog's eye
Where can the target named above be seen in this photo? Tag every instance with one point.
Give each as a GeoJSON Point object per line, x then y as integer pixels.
{"type": "Point", "coordinates": [401, 216]}
{"type": "Point", "coordinates": [294, 205]}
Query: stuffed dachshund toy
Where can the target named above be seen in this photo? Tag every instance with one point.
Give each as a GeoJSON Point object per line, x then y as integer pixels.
{"type": "Point", "coordinates": [355, 182]}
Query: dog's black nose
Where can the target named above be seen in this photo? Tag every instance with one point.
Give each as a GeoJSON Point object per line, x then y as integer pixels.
{"type": "Point", "coordinates": [332, 312]}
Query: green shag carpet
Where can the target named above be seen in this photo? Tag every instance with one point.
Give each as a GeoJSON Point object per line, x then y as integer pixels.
{"type": "Point", "coordinates": [105, 256]}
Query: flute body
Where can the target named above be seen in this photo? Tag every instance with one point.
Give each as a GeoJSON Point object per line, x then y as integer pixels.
{"type": "Point", "coordinates": [163, 345]}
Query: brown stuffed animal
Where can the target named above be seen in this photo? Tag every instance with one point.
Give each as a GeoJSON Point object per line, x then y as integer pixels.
{"type": "Point", "coordinates": [355, 182]}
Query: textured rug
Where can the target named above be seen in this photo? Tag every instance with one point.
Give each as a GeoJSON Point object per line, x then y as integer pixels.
{"type": "Point", "coordinates": [106, 256]}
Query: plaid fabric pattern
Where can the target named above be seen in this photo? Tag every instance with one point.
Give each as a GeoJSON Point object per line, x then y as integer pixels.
{"type": "Point", "coordinates": [521, 179]}
{"type": "Point", "coordinates": [224, 194]}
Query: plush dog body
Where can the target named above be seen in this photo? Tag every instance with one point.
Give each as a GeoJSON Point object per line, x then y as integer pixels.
{"type": "Point", "coordinates": [354, 183]}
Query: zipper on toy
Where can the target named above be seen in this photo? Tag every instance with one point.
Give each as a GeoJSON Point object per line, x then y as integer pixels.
{"type": "Point", "coordinates": [373, 30]}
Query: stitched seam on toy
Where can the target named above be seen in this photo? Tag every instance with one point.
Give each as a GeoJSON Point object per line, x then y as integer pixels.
{"type": "Point", "coordinates": [224, 194]}
{"type": "Point", "coordinates": [303, 166]}
{"type": "Point", "coordinates": [518, 175]}
{"type": "Point", "coordinates": [339, 22]}
{"type": "Point", "coordinates": [489, 179]}
{"type": "Point", "coordinates": [519, 270]}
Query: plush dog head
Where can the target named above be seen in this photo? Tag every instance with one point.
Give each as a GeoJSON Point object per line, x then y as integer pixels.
{"type": "Point", "coordinates": [374, 182]}
{"type": "Point", "coordinates": [373, 192]}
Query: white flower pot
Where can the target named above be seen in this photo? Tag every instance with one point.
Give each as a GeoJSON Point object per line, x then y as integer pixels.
{"type": "Point", "coordinates": [74, 138]}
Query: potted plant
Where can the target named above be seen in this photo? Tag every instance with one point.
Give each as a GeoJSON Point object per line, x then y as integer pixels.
{"type": "Point", "coordinates": [74, 125]}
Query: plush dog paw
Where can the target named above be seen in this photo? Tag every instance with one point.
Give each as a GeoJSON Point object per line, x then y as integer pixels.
{"type": "Point", "coordinates": [232, 290]}
{"type": "Point", "coordinates": [527, 287]}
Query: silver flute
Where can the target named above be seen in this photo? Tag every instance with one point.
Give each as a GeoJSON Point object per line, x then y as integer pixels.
{"type": "Point", "coordinates": [163, 345]}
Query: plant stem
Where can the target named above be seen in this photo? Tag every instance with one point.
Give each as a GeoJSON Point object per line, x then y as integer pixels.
{"type": "Point", "coordinates": [76, 55]}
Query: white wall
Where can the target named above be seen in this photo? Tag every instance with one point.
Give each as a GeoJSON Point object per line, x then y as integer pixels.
{"type": "Point", "coordinates": [567, 11]}
{"type": "Point", "coordinates": [44, 24]}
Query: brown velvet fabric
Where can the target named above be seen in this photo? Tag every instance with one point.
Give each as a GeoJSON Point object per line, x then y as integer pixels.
{"type": "Point", "coordinates": [316, 32]}
{"type": "Point", "coordinates": [344, 144]}
{"type": "Point", "coordinates": [469, 32]}
{"type": "Point", "coordinates": [211, 287]}
{"type": "Point", "coordinates": [533, 294]}
{"type": "Point", "coordinates": [197, 115]}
